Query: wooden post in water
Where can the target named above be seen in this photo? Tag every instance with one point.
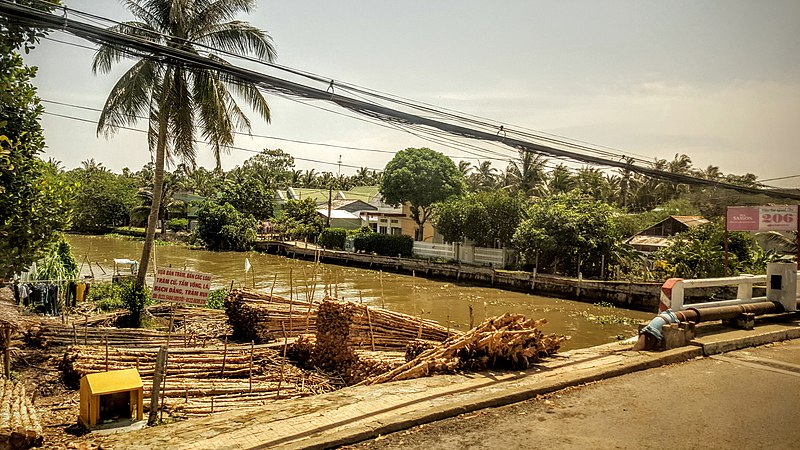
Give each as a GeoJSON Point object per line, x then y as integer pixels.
{"type": "Point", "coordinates": [471, 318]}
{"type": "Point", "coordinates": [383, 299]}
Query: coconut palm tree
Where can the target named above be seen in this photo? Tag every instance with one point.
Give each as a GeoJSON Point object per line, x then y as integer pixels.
{"type": "Point", "coordinates": [178, 99]}
{"type": "Point", "coordinates": [525, 174]}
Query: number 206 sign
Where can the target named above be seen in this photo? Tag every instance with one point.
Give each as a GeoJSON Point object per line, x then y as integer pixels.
{"type": "Point", "coordinates": [763, 218]}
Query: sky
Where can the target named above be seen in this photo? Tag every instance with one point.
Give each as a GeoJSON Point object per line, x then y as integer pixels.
{"type": "Point", "coordinates": [718, 81]}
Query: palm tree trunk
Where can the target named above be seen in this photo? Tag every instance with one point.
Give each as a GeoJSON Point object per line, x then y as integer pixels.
{"type": "Point", "coordinates": [158, 183]}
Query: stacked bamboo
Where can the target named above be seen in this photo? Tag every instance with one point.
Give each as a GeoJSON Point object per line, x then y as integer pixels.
{"type": "Point", "coordinates": [370, 364]}
{"type": "Point", "coordinates": [509, 341]}
{"type": "Point", "coordinates": [259, 317]}
{"type": "Point", "coordinates": [56, 334]}
{"type": "Point", "coordinates": [195, 376]}
{"type": "Point", "coordinates": [345, 331]}
{"type": "Point", "coordinates": [379, 329]}
{"type": "Point", "coordinates": [19, 424]}
{"type": "Point", "coordinates": [196, 323]}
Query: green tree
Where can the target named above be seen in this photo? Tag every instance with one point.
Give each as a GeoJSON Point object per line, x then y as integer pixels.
{"type": "Point", "coordinates": [222, 227]}
{"type": "Point", "coordinates": [485, 218]}
{"type": "Point", "coordinates": [565, 231]}
{"type": "Point", "coordinates": [273, 168]}
{"type": "Point", "coordinates": [33, 205]}
{"type": "Point", "coordinates": [102, 200]}
{"type": "Point", "coordinates": [700, 253]}
{"type": "Point", "coordinates": [178, 99]}
{"type": "Point", "coordinates": [299, 219]}
{"type": "Point", "coordinates": [247, 194]}
{"type": "Point", "coordinates": [421, 177]}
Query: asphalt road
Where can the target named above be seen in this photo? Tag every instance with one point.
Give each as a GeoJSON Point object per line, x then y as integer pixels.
{"type": "Point", "coordinates": [743, 399]}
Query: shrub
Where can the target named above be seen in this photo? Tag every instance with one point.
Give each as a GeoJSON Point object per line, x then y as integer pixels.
{"type": "Point", "coordinates": [221, 227]}
{"type": "Point", "coordinates": [384, 244]}
{"type": "Point", "coordinates": [131, 231]}
{"type": "Point", "coordinates": [106, 296]}
{"type": "Point", "coordinates": [333, 238]}
{"type": "Point", "coordinates": [178, 224]}
{"type": "Point", "coordinates": [216, 299]}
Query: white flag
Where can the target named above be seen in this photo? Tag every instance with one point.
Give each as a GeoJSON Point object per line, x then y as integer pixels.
{"type": "Point", "coordinates": [246, 265]}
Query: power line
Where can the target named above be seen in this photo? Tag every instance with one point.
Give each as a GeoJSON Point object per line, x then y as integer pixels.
{"type": "Point", "coordinates": [148, 49]}
{"type": "Point", "coordinates": [139, 130]}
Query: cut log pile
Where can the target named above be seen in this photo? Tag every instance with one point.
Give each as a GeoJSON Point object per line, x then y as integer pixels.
{"type": "Point", "coordinates": [56, 334]}
{"type": "Point", "coordinates": [507, 342]}
{"type": "Point", "coordinates": [195, 376]}
{"type": "Point", "coordinates": [19, 424]}
{"type": "Point", "coordinates": [259, 317]}
{"type": "Point", "coordinates": [356, 340]}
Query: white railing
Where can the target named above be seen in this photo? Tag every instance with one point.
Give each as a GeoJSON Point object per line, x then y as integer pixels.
{"type": "Point", "coordinates": [428, 250]}
{"type": "Point", "coordinates": [495, 257]}
{"type": "Point", "coordinates": [673, 291]}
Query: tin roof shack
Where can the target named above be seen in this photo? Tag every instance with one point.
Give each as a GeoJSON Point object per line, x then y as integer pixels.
{"type": "Point", "coordinates": [111, 398]}
{"type": "Point", "coordinates": [657, 236]}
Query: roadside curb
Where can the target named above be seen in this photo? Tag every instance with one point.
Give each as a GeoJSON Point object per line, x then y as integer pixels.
{"type": "Point", "coordinates": [712, 346]}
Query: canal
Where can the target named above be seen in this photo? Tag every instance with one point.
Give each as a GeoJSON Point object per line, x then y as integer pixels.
{"type": "Point", "coordinates": [445, 302]}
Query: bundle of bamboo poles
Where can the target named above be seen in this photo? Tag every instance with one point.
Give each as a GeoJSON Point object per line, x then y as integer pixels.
{"type": "Point", "coordinates": [198, 323]}
{"type": "Point", "coordinates": [260, 317]}
{"type": "Point", "coordinates": [195, 376]}
{"type": "Point", "coordinates": [380, 329]}
{"type": "Point", "coordinates": [370, 364]}
{"type": "Point", "coordinates": [509, 341]}
{"type": "Point", "coordinates": [56, 334]}
{"type": "Point", "coordinates": [19, 424]}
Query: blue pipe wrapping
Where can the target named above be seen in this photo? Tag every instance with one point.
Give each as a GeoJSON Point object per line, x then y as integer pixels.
{"type": "Point", "coordinates": [654, 328]}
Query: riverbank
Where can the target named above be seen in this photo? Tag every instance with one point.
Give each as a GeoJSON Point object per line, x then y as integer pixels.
{"type": "Point", "coordinates": [640, 296]}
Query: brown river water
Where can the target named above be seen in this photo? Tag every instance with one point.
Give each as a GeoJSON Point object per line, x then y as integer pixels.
{"type": "Point", "coordinates": [443, 301]}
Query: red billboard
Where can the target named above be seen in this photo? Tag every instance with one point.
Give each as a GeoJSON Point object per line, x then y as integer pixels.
{"type": "Point", "coordinates": [762, 218]}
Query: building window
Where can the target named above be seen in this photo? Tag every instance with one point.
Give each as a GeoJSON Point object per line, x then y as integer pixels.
{"type": "Point", "coordinates": [397, 231]}
{"type": "Point", "coordinates": [382, 230]}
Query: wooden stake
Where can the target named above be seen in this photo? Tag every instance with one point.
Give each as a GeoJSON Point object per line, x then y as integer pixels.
{"type": "Point", "coordinates": [272, 289]}
{"type": "Point", "coordinates": [224, 356]}
{"type": "Point", "coordinates": [7, 352]}
{"type": "Point", "coordinates": [471, 318]}
{"type": "Point", "coordinates": [283, 360]}
{"type": "Point", "coordinates": [383, 300]}
{"type": "Point", "coordinates": [252, 346]}
{"type": "Point", "coordinates": [290, 299]}
{"type": "Point", "coordinates": [154, 392]}
{"type": "Point", "coordinates": [371, 334]}
{"type": "Point", "coordinates": [106, 339]}
{"type": "Point", "coordinates": [85, 330]}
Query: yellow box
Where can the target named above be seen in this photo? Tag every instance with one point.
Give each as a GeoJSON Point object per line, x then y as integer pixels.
{"type": "Point", "coordinates": [111, 396]}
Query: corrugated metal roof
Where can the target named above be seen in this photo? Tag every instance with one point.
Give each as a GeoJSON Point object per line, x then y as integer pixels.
{"type": "Point", "coordinates": [649, 241]}
{"type": "Point", "coordinates": [691, 221]}
{"type": "Point", "coordinates": [338, 214]}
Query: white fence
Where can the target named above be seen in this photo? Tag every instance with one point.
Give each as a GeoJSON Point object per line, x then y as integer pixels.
{"type": "Point", "coordinates": [469, 254]}
{"type": "Point", "coordinates": [428, 250]}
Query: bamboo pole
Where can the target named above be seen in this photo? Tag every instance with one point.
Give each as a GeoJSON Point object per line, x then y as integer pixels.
{"type": "Point", "coordinates": [283, 361]}
{"type": "Point", "coordinates": [250, 375]}
{"type": "Point", "coordinates": [160, 360]}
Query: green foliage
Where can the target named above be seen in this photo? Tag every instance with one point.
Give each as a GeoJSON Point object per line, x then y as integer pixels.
{"type": "Point", "coordinates": [221, 227]}
{"type": "Point", "coordinates": [484, 218]}
{"type": "Point", "coordinates": [135, 297]}
{"type": "Point", "coordinates": [630, 224]}
{"type": "Point", "coordinates": [273, 169]}
{"type": "Point", "coordinates": [384, 244]}
{"type": "Point", "coordinates": [565, 229]}
{"type": "Point", "coordinates": [33, 207]}
{"type": "Point", "coordinates": [103, 200]}
{"type": "Point", "coordinates": [178, 224]}
{"type": "Point", "coordinates": [421, 177]}
{"type": "Point", "coordinates": [299, 220]}
{"type": "Point", "coordinates": [700, 253]}
{"type": "Point", "coordinates": [106, 296]}
{"type": "Point", "coordinates": [333, 238]}
{"type": "Point", "coordinates": [246, 191]}
{"type": "Point", "coordinates": [216, 299]}
{"type": "Point", "coordinates": [58, 263]}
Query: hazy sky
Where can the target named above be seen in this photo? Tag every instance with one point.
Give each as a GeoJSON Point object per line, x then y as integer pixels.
{"type": "Point", "coordinates": [716, 80]}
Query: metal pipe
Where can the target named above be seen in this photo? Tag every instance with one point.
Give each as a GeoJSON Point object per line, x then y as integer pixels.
{"type": "Point", "coordinates": [709, 314]}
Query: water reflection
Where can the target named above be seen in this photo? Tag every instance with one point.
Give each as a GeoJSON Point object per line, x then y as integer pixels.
{"type": "Point", "coordinates": [442, 301]}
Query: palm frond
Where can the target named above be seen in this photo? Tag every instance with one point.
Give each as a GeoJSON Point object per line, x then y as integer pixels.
{"type": "Point", "coordinates": [239, 38]}
{"type": "Point", "coordinates": [129, 99]}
